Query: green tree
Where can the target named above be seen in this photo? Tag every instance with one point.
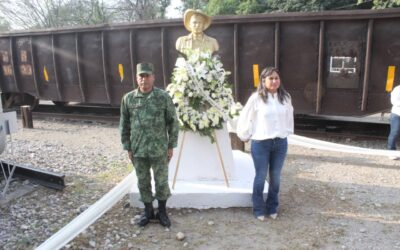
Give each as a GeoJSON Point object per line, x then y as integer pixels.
{"type": "Point", "coordinates": [194, 4]}
{"type": "Point", "coordinates": [28, 14]}
{"type": "Point", "coordinates": [382, 4]}
{"type": "Point", "coordinates": [4, 25]}
{"type": "Point", "coordinates": [309, 5]}
{"type": "Point", "coordinates": [232, 7]}
{"type": "Point", "coordinates": [252, 6]}
{"type": "Point", "coordinates": [86, 12]}
{"type": "Point", "coordinates": [216, 7]}
{"type": "Point", "coordinates": [132, 10]}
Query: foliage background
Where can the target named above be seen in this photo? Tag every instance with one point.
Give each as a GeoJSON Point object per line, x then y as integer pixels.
{"type": "Point", "coordinates": [34, 14]}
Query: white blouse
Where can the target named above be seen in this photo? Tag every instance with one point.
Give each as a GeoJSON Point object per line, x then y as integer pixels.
{"type": "Point", "coordinates": [259, 120]}
{"type": "Point", "coordinates": [395, 100]}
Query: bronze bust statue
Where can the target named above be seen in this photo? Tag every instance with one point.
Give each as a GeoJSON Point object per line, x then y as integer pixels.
{"type": "Point", "coordinates": [196, 22]}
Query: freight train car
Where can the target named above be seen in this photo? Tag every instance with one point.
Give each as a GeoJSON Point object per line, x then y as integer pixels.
{"type": "Point", "coordinates": [332, 63]}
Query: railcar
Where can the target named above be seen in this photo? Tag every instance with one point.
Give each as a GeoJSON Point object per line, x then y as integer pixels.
{"type": "Point", "coordinates": [332, 62]}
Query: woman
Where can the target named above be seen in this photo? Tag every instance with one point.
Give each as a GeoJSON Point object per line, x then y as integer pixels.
{"type": "Point", "coordinates": [394, 120]}
{"type": "Point", "coordinates": [267, 119]}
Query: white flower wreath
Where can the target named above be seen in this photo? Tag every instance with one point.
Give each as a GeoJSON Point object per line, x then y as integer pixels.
{"type": "Point", "coordinates": [201, 94]}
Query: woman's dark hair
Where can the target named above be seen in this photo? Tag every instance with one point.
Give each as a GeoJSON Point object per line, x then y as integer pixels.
{"type": "Point", "coordinates": [262, 90]}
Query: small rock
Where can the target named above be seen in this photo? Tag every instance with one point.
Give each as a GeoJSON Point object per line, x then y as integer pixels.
{"type": "Point", "coordinates": [133, 221]}
{"type": "Point", "coordinates": [167, 229]}
{"type": "Point", "coordinates": [378, 205]}
{"type": "Point", "coordinates": [342, 198]}
{"type": "Point", "coordinates": [92, 243]}
{"type": "Point", "coordinates": [185, 244]}
{"type": "Point", "coordinates": [127, 205]}
{"type": "Point", "coordinates": [180, 236]}
{"type": "Point", "coordinates": [363, 230]}
{"type": "Point", "coordinates": [210, 223]}
{"type": "Point", "coordinates": [137, 217]}
{"type": "Point", "coordinates": [117, 237]}
{"type": "Point", "coordinates": [24, 227]}
{"type": "Point", "coordinates": [82, 208]}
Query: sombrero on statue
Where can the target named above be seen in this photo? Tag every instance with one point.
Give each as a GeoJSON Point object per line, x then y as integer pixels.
{"type": "Point", "coordinates": [189, 13]}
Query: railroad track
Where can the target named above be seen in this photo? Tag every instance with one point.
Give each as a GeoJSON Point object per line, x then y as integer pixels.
{"type": "Point", "coordinates": [335, 126]}
{"type": "Point", "coordinates": [311, 126]}
{"type": "Point", "coordinates": [86, 113]}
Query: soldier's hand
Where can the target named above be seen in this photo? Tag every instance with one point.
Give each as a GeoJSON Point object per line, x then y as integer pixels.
{"type": "Point", "coordinates": [170, 153]}
{"type": "Point", "coordinates": [130, 154]}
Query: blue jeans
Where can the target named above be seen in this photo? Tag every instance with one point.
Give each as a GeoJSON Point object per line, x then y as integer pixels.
{"type": "Point", "coordinates": [268, 156]}
{"type": "Point", "coordinates": [394, 131]}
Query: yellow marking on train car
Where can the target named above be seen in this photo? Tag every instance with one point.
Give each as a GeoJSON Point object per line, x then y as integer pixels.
{"type": "Point", "coordinates": [121, 71]}
{"type": "Point", "coordinates": [256, 75]}
{"type": "Point", "coordinates": [46, 76]}
{"type": "Point", "coordinates": [390, 78]}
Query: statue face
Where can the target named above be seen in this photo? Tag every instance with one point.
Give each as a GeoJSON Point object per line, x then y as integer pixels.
{"type": "Point", "coordinates": [197, 24]}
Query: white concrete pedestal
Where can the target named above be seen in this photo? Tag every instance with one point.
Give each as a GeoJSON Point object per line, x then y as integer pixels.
{"type": "Point", "coordinates": [200, 181]}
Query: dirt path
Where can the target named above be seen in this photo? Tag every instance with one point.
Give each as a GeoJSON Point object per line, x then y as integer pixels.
{"type": "Point", "coordinates": [328, 200]}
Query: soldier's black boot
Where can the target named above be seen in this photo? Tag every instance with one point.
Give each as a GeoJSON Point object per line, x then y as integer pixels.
{"type": "Point", "coordinates": [147, 216]}
{"type": "Point", "coordinates": [162, 214]}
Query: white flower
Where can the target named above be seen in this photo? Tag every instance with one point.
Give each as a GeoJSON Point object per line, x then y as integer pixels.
{"type": "Point", "coordinates": [209, 77]}
{"type": "Point", "coordinates": [202, 124]}
{"type": "Point", "coordinates": [180, 62]}
{"type": "Point", "coordinates": [189, 91]}
{"type": "Point", "coordinates": [192, 126]}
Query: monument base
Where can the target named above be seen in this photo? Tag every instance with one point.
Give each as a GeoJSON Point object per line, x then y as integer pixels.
{"type": "Point", "coordinates": [212, 193]}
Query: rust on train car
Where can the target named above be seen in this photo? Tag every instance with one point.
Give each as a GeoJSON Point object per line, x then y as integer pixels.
{"type": "Point", "coordinates": [332, 63]}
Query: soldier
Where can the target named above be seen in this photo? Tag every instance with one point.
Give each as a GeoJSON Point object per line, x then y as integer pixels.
{"type": "Point", "coordinates": [149, 132]}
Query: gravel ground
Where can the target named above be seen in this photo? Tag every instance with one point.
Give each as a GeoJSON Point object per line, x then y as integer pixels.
{"type": "Point", "coordinates": [329, 200]}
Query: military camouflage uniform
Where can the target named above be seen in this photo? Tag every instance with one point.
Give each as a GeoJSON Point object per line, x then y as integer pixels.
{"type": "Point", "coordinates": [149, 127]}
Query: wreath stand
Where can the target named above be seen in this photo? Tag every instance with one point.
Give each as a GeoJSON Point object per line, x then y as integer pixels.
{"type": "Point", "coordinates": [219, 156]}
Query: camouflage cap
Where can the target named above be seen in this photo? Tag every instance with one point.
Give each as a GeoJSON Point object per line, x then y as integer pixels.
{"type": "Point", "coordinates": [144, 68]}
